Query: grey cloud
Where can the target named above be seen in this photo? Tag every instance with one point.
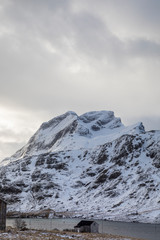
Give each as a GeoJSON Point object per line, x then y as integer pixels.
{"type": "Point", "coordinates": [89, 33]}
{"type": "Point", "coordinates": [12, 136]}
{"type": "Point", "coordinates": [133, 17]}
{"type": "Point", "coordinates": [30, 74]}
{"type": "Point", "coordinates": [9, 148]}
{"type": "Point", "coordinates": [45, 19]}
{"type": "Point", "coordinates": [57, 55]}
{"type": "Point", "coordinates": [151, 123]}
{"type": "Point", "coordinates": [11, 141]}
{"type": "Point", "coordinates": [93, 37]}
{"type": "Point", "coordinates": [143, 48]}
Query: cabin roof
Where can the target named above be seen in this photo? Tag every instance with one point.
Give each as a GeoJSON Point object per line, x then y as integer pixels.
{"type": "Point", "coordinates": [84, 223]}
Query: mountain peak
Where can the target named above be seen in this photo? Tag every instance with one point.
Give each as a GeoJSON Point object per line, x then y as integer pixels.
{"type": "Point", "coordinates": [71, 132]}
{"type": "Point", "coordinates": [55, 121]}
{"type": "Point", "coordinates": [94, 115]}
{"type": "Point", "coordinates": [109, 170]}
{"type": "Point", "coordinates": [100, 119]}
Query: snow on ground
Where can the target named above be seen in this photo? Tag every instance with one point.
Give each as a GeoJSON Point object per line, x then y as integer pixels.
{"type": "Point", "coordinates": [44, 235]}
{"type": "Point", "coordinates": [77, 171]}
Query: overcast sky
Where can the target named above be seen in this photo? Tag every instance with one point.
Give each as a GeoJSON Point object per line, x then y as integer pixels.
{"type": "Point", "coordinates": [79, 55]}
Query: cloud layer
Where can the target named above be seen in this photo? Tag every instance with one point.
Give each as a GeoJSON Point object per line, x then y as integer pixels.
{"type": "Point", "coordinates": [59, 55]}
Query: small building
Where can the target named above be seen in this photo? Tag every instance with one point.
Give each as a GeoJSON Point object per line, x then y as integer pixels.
{"type": "Point", "coordinates": [3, 208]}
{"type": "Point", "coordinates": [87, 226]}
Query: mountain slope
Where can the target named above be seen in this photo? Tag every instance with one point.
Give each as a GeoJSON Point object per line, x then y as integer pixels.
{"type": "Point", "coordinates": [91, 165]}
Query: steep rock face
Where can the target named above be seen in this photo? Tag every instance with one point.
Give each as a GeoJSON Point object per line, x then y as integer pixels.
{"type": "Point", "coordinates": [91, 165]}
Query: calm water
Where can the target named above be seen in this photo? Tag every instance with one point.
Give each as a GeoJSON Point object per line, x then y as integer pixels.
{"type": "Point", "coordinates": [139, 230]}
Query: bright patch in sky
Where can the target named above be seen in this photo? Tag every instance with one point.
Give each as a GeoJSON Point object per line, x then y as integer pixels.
{"type": "Point", "coordinates": [76, 55]}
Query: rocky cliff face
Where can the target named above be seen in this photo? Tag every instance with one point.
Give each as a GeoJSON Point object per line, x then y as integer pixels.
{"type": "Point", "coordinates": [90, 165]}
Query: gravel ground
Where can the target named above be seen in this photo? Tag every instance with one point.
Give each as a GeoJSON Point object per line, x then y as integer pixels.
{"type": "Point", "coordinates": [56, 235]}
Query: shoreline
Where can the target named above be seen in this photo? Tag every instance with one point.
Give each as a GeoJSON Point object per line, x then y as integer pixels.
{"type": "Point", "coordinates": [133, 230]}
{"type": "Point", "coordinates": [51, 214]}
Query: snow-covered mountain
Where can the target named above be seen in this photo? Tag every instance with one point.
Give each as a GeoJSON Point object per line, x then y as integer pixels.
{"type": "Point", "coordinates": [90, 165]}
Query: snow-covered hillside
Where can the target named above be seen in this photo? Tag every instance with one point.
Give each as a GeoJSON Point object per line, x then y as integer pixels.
{"type": "Point", "coordinates": [90, 165]}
